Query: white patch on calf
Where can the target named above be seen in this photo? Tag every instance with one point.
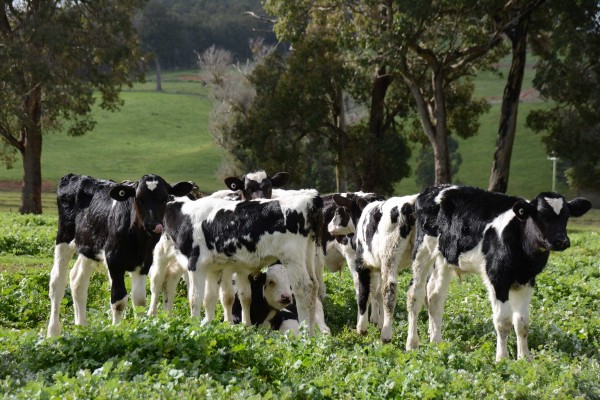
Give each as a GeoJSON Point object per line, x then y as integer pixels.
{"type": "Point", "coordinates": [151, 184]}
{"type": "Point", "coordinates": [440, 196]}
{"type": "Point", "coordinates": [257, 176]}
{"type": "Point", "coordinates": [556, 204]}
{"type": "Point", "coordinates": [501, 221]}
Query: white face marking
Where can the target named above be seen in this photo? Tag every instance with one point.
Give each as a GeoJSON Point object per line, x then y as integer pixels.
{"type": "Point", "coordinates": [556, 204]}
{"type": "Point", "coordinates": [151, 184]}
{"type": "Point", "coordinates": [257, 176]}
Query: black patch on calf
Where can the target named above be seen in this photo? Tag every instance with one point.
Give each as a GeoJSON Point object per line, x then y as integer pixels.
{"type": "Point", "coordinates": [460, 218]}
{"type": "Point", "coordinates": [408, 220]}
{"type": "Point", "coordinates": [394, 214]}
{"type": "Point", "coordinates": [179, 228]}
{"type": "Point", "coordinates": [371, 229]}
{"type": "Point", "coordinates": [364, 281]}
{"type": "Point", "coordinates": [507, 262]}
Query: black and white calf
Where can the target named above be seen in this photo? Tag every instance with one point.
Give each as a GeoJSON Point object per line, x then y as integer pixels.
{"type": "Point", "coordinates": [211, 235]}
{"type": "Point", "coordinates": [256, 185]}
{"type": "Point", "coordinates": [384, 241]}
{"type": "Point", "coordinates": [117, 224]}
{"type": "Point", "coordinates": [272, 301]}
{"type": "Point", "coordinates": [341, 240]}
{"type": "Point", "coordinates": [505, 239]}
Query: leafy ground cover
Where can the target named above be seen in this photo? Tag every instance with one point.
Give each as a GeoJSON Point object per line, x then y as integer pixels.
{"type": "Point", "coordinates": [177, 358]}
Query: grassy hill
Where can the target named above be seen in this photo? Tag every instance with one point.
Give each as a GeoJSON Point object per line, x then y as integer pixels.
{"type": "Point", "coordinates": [167, 133]}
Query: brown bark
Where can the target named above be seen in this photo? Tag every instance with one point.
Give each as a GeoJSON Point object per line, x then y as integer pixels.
{"type": "Point", "coordinates": [31, 151]}
{"type": "Point", "coordinates": [510, 105]}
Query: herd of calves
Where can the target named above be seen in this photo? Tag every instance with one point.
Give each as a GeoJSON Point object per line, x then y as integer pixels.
{"type": "Point", "coordinates": [222, 242]}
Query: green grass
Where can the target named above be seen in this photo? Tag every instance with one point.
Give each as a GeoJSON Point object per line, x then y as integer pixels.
{"type": "Point", "coordinates": [177, 358]}
{"type": "Point", "coordinates": [158, 132]}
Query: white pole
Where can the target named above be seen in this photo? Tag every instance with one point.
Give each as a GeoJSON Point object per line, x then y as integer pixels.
{"type": "Point", "coordinates": [553, 159]}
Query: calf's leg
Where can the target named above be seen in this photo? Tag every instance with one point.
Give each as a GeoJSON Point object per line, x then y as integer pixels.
{"type": "Point", "coordinates": [437, 290]}
{"type": "Point", "coordinates": [158, 271]}
{"type": "Point", "coordinates": [227, 295]}
{"type": "Point", "coordinates": [363, 295]}
{"type": "Point", "coordinates": [138, 288]}
{"type": "Point", "coordinates": [63, 252]}
{"type": "Point", "coordinates": [520, 299]}
{"type": "Point", "coordinates": [211, 294]}
{"type": "Point", "coordinates": [80, 283]}
{"type": "Point", "coordinates": [415, 296]}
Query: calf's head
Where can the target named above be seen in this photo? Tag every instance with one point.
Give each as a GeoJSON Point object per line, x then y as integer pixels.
{"type": "Point", "coordinates": [276, 286]}
{"type": "Point", "coordinates": [545, 219]}
{"type": "Point", "coordinates": [257, 185]}
{"type": "Point", "coordinates": [347, 213]}
{"type": "Point", "coordinates": [150, 195]}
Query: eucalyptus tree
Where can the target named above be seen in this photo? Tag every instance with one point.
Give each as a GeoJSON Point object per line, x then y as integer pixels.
{"type": "Point", "coordinates": [54, 55]}
{"type": "Point", "coordinates": [567, 43]}
{"type": "Point", "coordinates": [433, 47]}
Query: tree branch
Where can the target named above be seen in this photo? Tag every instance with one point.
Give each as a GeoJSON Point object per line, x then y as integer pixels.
{"type": "Point", "coordinates": [13, 141]}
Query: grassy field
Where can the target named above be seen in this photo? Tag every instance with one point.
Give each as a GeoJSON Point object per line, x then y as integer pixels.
{"type": "Point", "coordinates": [177, 358]}
{"type": "Point", "coordinates": [167, 133]}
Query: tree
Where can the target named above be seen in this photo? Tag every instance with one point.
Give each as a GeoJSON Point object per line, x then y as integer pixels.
{"type": "Point", "coordinates": [568, 73]}
{"type": "Point", "coordinates": [517, 34]}
{"type": "Point", "coordinates": [433, 48]}
{"type": "Point", "coordinates": [160, 33]}
{"type": "Point", "coordinates": [54, 55]}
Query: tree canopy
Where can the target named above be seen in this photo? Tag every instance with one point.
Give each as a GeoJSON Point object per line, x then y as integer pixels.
{"type": "Point", "coordinates": [568, 72]}
{"type": "Point", "coordinates": [54, 56]}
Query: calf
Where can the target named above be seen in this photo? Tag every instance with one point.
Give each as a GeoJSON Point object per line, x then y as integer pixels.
{"type": "Point", "coordinates": [505, 239]}
{"type": "Point", "coordinates": [272, 301]}
{"type": "Point", "coordinates": [117, 224]}
{"type": "Point", "coordinates": [345, 212]}
{"type": "Point", "coordinates": [256, 185]}
{"type": "Point", "coordinates": [211, 235]}
{"type": "Point", "coordinates": [384, 241]}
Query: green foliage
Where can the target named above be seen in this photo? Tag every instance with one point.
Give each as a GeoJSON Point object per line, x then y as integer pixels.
{"type": "Point", "coordinates": [31, 235]}
{"type": "Point", "coordinates": [568, 73]}
{"type": "Point", "coordinates": [176, 357]}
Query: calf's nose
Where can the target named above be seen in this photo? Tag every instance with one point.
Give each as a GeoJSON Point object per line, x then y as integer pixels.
{"type": "Point", "coordinates": [562, 243]}
{"type": "Point", "coordinates": [286, 299]}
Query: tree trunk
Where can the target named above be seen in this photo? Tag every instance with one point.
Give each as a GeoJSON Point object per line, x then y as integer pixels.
{"type": "Point", "coordinates": [341, 182]}
{"type": "Point", "coordinates": [441, 153]}
{"type": "Point", "coordinates": [371, 181]}
{"type": "Point", "coordinates": [31, 151]}
{"type": "Point", "coordinates": [158, 78]}
{"type": "Point", "coordinates": [510, 105]}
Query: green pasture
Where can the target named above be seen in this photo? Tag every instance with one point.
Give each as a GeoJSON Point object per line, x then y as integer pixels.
{"type": "Point", "coordinates": [162, 357]}
{"type": "Point", "coordinates": [167, 133]}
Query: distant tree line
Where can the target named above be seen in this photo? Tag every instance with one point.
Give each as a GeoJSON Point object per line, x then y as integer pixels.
{"type": "Point", "coordinates": [173, 31]}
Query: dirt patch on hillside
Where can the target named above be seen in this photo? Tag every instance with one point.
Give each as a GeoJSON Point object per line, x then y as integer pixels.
{"type": "Point", "coordinates": [15, 186]}
{"type": "Point", "coordinates": [527, 96]}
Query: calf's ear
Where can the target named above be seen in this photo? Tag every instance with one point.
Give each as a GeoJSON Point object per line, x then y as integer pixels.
{"type": "Point", "coordinates": [579, 206]}
{"type": "Point", "coordinates": [523, 210]}
{"type": "Point", "coordinates": [279, 179]}
{"type": "Point", "coordinates": [181, 189]}
{"type": "Point", "coordinates": [342, 201]}
{"type": "Point", "coordinates": [234, 183]}
{"type": "Point", "coordinates": [122, 192]}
